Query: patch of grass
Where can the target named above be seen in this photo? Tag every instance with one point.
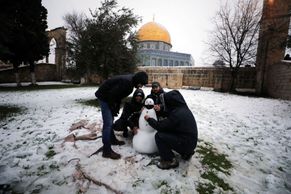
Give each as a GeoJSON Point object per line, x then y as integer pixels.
{"type": "Point", "coordinates": [213, 159]}
{"type": "Point", "coordinates": [95, 103]}
{"type": "Point", "coordinates": [50, 153]}
{"type": "Point", "coordinates": [91, 102]}
{"type": "Point", "coordinates": [8, 111]}
{"type": "Point", "coordinates": [215, 162]}
{"type": "Point", "coordinates": [162, 183]}
{"type": "Point", "coordinates": [40, 87]}
{"type": "Point", "coordinates": [165, 188]}
{"type": "Point", "coordinates": [205, 188]}
{"type": "Point", "coordinates": [281, 169]}
{"type": "Point", "coordinates": [137, 182]}
{"type": "Point", "coordinates": [216, 180]}
{"type": "Point", "coordinates": [41, 170]}
{"type": "Point", "coordinates": [54, 167]}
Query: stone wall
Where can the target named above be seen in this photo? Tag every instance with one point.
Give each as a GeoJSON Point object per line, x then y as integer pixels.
{"type": "Point", "coordinates": [217, 78]}
{"type": "Point", "coordinates": [273, 75]}
{"type": "Point", "coordinates": [279, 80]}
{"type": "Point", "coordinates": [43, 72]}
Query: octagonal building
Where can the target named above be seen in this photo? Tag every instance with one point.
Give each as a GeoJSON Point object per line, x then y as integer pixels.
{"type": "Point", "coordinates": [155, 45]}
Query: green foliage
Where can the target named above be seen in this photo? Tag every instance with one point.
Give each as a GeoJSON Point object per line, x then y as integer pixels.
{"type": "Point", "coordinates": [205, 188]}
{"type": "Point", "coordinates": [216, 180]}
{"type": "Point", "coordinates": [91, 102]}
{"type": "Point", "coordinates": [95, 103]}
{"type": "Point", "coordinates": [137, 182]}
{"type": "Point", "coordinates": [214, 162]}
{"type": "Point", "coordinates": [50, 153]}
{"type": "Point", "coordinates": [165, 188]}
{"type": "Point", "coordinates": [105, 43]}
{"type": "Point", "coordinates": [7, 111]}
{"type": "Point", "coordinates": [213, 159]}
{"type": "Point", "coordinates": [39, 87]}
{"type": "Point", "coordinates": [23, 35]}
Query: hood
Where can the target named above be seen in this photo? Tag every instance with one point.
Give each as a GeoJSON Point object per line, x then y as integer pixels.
{"type": "Point", "coordinates": [138, 92]}
{"type": "Point", "coordinates": [140, 78]}
{"type": "Point", "coordinates": [173, 99]}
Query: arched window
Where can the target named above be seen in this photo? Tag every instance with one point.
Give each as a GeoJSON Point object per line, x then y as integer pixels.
{"type": "Point", "coordinates": [154, 61]}
{"type": "Point", "coordinates": [165, 62]}
{"type": "Point", "coordinates": [157, 45]}
{"type": "Point", "coordinates": [160, 62]}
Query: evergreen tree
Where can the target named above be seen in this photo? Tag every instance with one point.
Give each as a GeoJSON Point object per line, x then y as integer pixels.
{"type": "Point", "coordinates": [23, 37]}
{"type": "Point", "coordinates": [105, 43]}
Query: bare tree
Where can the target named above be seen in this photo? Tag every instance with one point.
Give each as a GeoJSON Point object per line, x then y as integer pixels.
{"type": "Point", "coordinates": [235, 37]}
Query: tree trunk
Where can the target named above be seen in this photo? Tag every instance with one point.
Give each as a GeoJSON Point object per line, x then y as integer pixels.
{"type": "Point", "coordinates": [234, 73]}
{"type": "Point", "coordinates": [32, 73]}
{"type": "Point", "coordinates": [17, 79]}
{"type": "Point", "coordinates": [33, 80]}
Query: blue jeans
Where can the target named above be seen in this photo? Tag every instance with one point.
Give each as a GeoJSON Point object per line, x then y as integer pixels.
{"type": "Point", "coordinates": [107, 131]}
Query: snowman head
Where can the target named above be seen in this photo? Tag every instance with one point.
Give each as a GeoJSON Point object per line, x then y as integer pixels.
{"type": "Point", "coordinates": [149, 103]}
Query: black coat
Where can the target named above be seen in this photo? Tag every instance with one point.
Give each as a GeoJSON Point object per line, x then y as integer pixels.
{"type": "Point", "coordinates": [180, 119]}
{"type": "Point", "coordinates": [157, 101]}
{"type": "Point", "coordinates": [131, 110]}
{"type": "Point", "coordinates": [116, 88]}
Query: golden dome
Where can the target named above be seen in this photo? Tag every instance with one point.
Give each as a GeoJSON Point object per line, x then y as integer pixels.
{"type": "Point", "coordinates": [153, 31]}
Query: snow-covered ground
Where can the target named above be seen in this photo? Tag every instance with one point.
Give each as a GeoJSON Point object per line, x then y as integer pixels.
{"type": "Point", "coordinates": [255, 133]}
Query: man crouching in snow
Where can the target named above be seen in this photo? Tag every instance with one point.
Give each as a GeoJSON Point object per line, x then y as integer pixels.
{"type": "Point", "coordinates": [110, 94]}
{"type": "Point", "coordinates": [177, 132]}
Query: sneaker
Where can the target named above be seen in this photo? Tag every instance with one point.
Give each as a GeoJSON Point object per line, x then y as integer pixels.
{"type": "Point", "coordinates": [117, 142]}
{"type": "Point", "coordinates": [112, 155]}
{"type": "Point", "coordinates": [163, 164]}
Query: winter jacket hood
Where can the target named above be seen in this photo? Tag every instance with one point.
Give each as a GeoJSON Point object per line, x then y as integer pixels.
{"type": "Point", "coordinates": [138, 92]}
{"type": "Point", "coordinates": [173, 99]}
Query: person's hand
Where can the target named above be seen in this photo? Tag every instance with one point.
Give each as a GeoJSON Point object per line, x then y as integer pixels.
{"type": "Point", "coordinates": [157, 107]}
{"type": "Point", "coordinates": [135, 130]}
{"type": "Point", "coordinates": [146, 117]}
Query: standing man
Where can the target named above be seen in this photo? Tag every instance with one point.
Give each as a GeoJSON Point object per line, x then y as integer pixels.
{"type": "Point", "coordinates": [110, 94]}
{"type": "Point", "coordinates": [177, 132]}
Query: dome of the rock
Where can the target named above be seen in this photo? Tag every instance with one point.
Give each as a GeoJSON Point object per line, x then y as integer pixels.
{"type": "Point", "coordinates": [153, 31]}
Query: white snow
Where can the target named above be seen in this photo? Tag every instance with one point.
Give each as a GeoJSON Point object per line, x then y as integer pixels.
{"type": "Point", "coordinates": [255, 133]}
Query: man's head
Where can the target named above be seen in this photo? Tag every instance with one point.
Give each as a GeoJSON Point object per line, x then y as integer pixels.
{"type": "Point", "coordinates": [140, 79]}
{"type": "Point", "coordinates": [156, 87]}
{"type": "Point", "coordinates": [138, 95]}
{"type": "Point", "coordinates": [172, 100]}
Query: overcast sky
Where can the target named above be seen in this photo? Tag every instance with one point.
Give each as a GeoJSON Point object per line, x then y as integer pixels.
{"type": "Point", "coordinates": [188, 21]}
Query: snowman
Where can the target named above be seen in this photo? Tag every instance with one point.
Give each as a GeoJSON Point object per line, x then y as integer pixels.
{"type": "Point", "coordinates": [144, 141]}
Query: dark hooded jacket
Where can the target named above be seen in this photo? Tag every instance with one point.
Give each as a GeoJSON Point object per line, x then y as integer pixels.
{"type": "Point", "coordinates": [116, 88]}
{"type": "Point", "coordinates": [156, 96]}
{"type": "Point", "coordinates": [131, 110]}
{"type": "Point", "coordinates": [130, 113]}
{"type": "Point", "coordinates": [180, 120]}
{"type": "Point", "coordinates": [157, 100]}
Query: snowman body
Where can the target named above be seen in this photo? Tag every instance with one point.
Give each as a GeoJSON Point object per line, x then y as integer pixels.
{"type": "Point", "coordinates": [144, 141]}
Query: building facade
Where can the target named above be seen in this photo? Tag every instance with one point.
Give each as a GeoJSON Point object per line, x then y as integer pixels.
{"type": "Point", "coordinates": [273, 73]}
{"type": "Point", "coordinates": [155, 48]}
